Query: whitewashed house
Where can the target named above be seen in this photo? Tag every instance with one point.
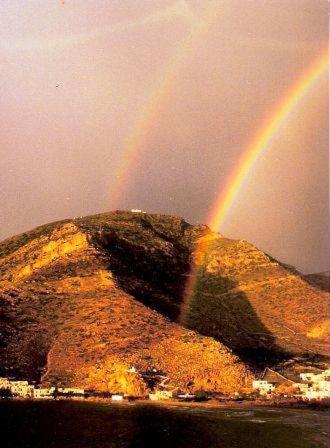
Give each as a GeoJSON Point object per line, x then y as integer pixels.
{"type": "Point", "coordinates": [76, 391]}
{"type": "Point", "coordinates": [4, 383]}
{"type": "Point", "coordinates": [44, 393]}
{"type": "Point", "coordinates": [308, 377]}
{"type": "Point", "coordinates": [312, 394]}
{"type": "Point", "coordinates": [161, 395]}
{"type": "Point", "coordinates": [263, 386]}
{"type": "Point", "coordinates": [21, 389]}
{"type": "Point", "coordinates": [318, 385]}
{"type": "Point", "coordinates": [136, 210]}
{"type": "Point", "coordinates": [302, 387]}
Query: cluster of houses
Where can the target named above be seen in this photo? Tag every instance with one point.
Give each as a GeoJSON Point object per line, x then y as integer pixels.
{"type": "Point", "coordinates": [312, 386]}
{"type": "Point", "coordinates": [13, 388]}
{"type": "Point", "coordinates": [22, 389]}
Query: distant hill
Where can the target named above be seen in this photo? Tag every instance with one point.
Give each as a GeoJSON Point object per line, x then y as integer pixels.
{"type": "Point", "coordinates": [321, 280]}
{"type": "Point", "coordinates": [83, 301]}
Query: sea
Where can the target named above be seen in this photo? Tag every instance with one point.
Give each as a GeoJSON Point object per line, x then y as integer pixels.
{"type": "Point", "coordinates": [84, 424]}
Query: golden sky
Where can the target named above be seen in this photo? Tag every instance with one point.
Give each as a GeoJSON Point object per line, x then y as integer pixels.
{"type": "Point", "coordinates": [188, 84]}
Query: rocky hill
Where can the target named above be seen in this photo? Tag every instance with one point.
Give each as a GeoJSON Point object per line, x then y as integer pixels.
{"type": "Point", "coordinates": [320, 280]}
{"type": "Point", "coordinates": [83, 301]}
{"type": "Point", "coordinates": [254, 304]}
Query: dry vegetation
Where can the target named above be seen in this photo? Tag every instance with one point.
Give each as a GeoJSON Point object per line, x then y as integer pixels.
{"type": "Point", "coordinates": [83, 301]}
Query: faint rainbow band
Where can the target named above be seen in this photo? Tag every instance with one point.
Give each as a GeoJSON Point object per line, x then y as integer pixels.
{"type": "Point", "coordinates": [136, 142]}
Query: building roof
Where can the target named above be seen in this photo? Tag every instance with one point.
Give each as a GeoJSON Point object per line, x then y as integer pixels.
{"type": "Point", "coordinates": [274, 377]}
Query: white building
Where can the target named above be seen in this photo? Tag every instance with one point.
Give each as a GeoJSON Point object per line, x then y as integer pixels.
{"type": "Point", "coordinates": [71, 391]}
{"type": "Point", "coordinates": [317, 387]}
{"type": "Point", "coordinates": [316, 395]}
{"type": "Point", "coordinates": [186, 396]}
{"type": "Point", "coordinates": [44, 393]}
{"type": "Point", "coordinates": [117, 397]}
{"type": "Point", "coordinates": [161, 395]}
{"type": "Point", "coordinates": [308, 377]}
{"type": "Point", "coordinates": [21, 389]}
{"type": "Point", "coordinates": [302, 387]}
{"type": "Point", "coordinates": [324, 385]}
{"type": "Point", "coordinates": [264, 387]}
{"type": "Point", "coordinates": [4, 383]}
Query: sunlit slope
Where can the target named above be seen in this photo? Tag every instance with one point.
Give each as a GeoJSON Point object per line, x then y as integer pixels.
{"type": "Point", "coordinates": [68, 318]}
{"type": "Point", "coordinates": [84, 300]}
{"type": "Point", "coordinates": [248, 300]}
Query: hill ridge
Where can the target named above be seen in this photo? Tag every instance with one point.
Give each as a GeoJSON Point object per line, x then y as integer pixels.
{"type": "Point", "coordinates": [82, 300]}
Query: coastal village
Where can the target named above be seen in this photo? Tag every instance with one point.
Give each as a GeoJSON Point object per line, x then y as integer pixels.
{"type": "Point", "coordinates": [311, 387]}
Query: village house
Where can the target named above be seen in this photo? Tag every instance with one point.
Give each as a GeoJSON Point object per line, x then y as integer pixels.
{"type": "Point", "coordinates": [136, 210]}
{"type": "Point", "coordinates": [309, 377]}
{"type": "Point", "coordinates": [301, 387]}
{"type": "Point", "coordinates": [268, 382]}
{"type": "Point", "coordinates": [160, 395]}
{"type": "Point", "coordinates": [44, 393]}
{"type": "Point", "coordinates": [186, 397]}
{"type": "Point", "coordinates": [71, 391]}
{"type": "Point", "coordinates": [117, 397]}
{"type": "Point", "coordinates": [4, 383]}
{"type": "Point", "coordinates": [312, 394]}
{"type": "Point", "coordinates": [21, 389]}
{"type": "Point", "coordinates": [264, 387]}
{"type": "Point", "coordinates": [324, 385]}
{"type": "Point", "coordinates": [316, 385]}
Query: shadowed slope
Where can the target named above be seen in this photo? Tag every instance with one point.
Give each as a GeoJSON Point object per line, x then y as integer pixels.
{"type": "Point", "coordinates": [249, 301]}
{"type": "Point", "coordinates": [321, 280]}
{"type": "Point", "coordinates": [84, 300]}
{"type": "Point", "coordinates": [66, 319]}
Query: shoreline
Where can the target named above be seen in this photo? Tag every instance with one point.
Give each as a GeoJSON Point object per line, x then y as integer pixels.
{"type": "Point", "coordinates": [247, 404]}
{"type": "Point", "coordinates": [210, 404]}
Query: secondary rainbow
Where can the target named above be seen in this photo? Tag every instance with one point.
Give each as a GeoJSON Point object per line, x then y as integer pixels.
{"type": "Point", "coordinates": [137, 139]}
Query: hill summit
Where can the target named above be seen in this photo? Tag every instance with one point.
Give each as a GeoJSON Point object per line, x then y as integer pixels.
{"type": "Point", "coordinates": [96, 301]}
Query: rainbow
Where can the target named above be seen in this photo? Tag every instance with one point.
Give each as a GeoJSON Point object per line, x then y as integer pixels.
{"type": "Point", "coordinates": [250, 156]}
{"type": "Point", "coordinates": [137, 139]}
{"type": "Point", "coordinates": [263, 138]}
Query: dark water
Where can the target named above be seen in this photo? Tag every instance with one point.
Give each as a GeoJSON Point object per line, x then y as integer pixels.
{"type": "Point", "coordinates": [92, 425]}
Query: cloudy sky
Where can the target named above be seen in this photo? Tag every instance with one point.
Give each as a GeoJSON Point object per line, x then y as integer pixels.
{"type": "Point", "coordinates": [119, 104]}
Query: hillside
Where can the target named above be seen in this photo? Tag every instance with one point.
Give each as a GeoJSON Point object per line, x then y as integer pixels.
{"type": "Point", "coordinates": [67, 317]}
{"type": "Point", "coordinates": [84, 300]}
{"type": "Point", "coordinates": [256, 304]}
{"type": "Point", "coordinates": [321, 280]}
